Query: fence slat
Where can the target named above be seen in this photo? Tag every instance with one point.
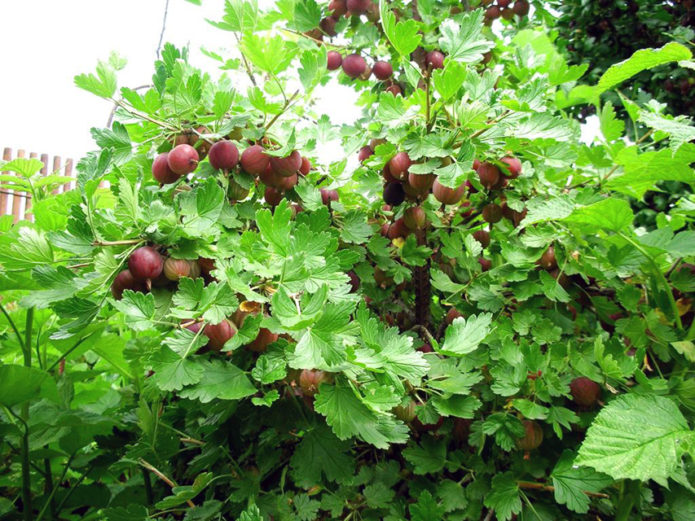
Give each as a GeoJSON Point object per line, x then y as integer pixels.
{"type": "Point", "coordinates": [4, 194]}
{"type": "Point", "coordinates": [17, 199]}
{"type": "Point", "coordinates": [18, 204]}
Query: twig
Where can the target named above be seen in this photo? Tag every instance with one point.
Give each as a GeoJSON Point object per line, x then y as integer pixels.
{"type": "Point", "coordinates": [115, 105]}
{"type": "Point", "coordinates": [161, 476]}
{"type": "Point", "coordinates": [284, 109]}
{"type": "Point", "coordinates": [489, 514]}
{"type": "Point", "coordinates": [496, 120]}
{"type": "Point", "coordinates": [164, 25]}
{"type": "Point", "coordinates": [529, 485]}
{"type": "Point", "coordinates": [246, 63]}
{"type": "Point", "coordinates": [124, 242]}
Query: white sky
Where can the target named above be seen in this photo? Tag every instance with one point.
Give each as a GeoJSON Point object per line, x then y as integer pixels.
{"type": "Point", "coordinates": [45, 43]}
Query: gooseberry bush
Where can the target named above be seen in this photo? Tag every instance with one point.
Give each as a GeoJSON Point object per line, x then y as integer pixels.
{"type": "Point", "coordinates": [451, 315]}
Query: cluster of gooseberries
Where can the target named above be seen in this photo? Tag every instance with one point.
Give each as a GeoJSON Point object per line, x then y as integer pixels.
{"type": "Point", "coordinates": [278, 174]}
{"type": "Point", "coordinates": [505, 9]}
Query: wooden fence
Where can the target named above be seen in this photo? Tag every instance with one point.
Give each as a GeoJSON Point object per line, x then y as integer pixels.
{"type": "Point", "coordinates": [18, 204]}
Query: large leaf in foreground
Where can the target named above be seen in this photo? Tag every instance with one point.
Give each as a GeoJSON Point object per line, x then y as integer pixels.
{"type": "Point", "coordinates": [637, 437]}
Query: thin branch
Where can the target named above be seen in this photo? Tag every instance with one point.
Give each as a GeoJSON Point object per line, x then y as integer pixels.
{"type": "Point", "coordinates": [529, 485]}
{"type": "Point", "coordinates": [284, 109]}
{"type": "Point", "coordinates": [161, 476]}
{"type": "Point", "coordinates": [164, 25]}
{"type": "Point", "coordinates": [249, 72]}
{"type": "Point", "coordinates": [117, 243]}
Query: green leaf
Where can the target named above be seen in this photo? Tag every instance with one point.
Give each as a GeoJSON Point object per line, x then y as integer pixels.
{"type": "Point", "coordinates": [349, 417]}
{"type": "Point", "coordinates": [275, 227]}
{"type": "Point", "coordinates": [138, 307]}
{"type": "Point", "coordinates": [463, 336]}
{"type": "Point", "coordinates": [448, 81]}
{"type": "Point", "coordinates": [465, 42]}
{"type": "Point", "coordinates": [223, 381]}
{"type": "Point", "coordinates": [201, 208]}
{"type": "Point", "coordinates": [173, 373]}
{"type": "Point", "coordinates": [403, 35]}
{"type": "Point", "coordinates": [354, 228]}
{"type": "Point", "coordinates": [680, 129]}
{"type": "Point", "coordinates": [611, 214]}
{"type": "Point", "coordinates": [239, 16]}
{"type": "Point", "coordinates": [22, 166]}
{"type": "Point", "coordinates": [415, 255]}
{"type": "Point", "coordinates": [428, 457]}
{"type": "Point", "coordinates": [547, 209]}
{"type": "Point", "coordinates": [19, 384]}
{"type": "Point", "coordinates": [268, 54]}
{"type": "Point", "coordinates": [640, 61]}
{"type": "Point", "coordinates": [426, 508]}
{"type": "Point", "coordinates": [186, 493]}
{"type": "Point", "coordinates": [572, 483]}
{"type": "Point", "coordinates": [307, 15]}
{"type": "Point", "coordinates": [320, 452]}
{"type": "Point", "coordinates": [504, 496]}
{"type": "Point", "coordinates": [618, 444]}
{"type": "Point", "coordinates": [103, 84]}
{"type": "Point", "coordinates": [458, 406]}
{"type": "Point", "coordinates": [58, 284]}
{"type": "Point", "coordinates": [611, 127]}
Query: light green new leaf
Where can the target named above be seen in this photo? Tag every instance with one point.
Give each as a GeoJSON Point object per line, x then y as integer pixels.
{"type": "Point", "coordinates": [307, 15]}
{"type": "Point", "coordinates": [268, 54]}
{"type": "Point", "coordinates": [173, 373]}
{"type": "Point", "coordinates": [103, 84]}
{"type": "Point", "coordinates": [19, 383]}
{"type": "Point", "coordinates": [23, 166]}
{"type": "Point", "coordinates": [448, 81]}
{"type": "Point", "coordinates": [612, 128]}
{"type": "Point", "coordinates": [637, 437]}
{"type": "Point", "coordinates": [403, 35]}
{"type": "Point", "coordinates": [640, 61]}
{"type": "Point", "coordinates": [465, 335]}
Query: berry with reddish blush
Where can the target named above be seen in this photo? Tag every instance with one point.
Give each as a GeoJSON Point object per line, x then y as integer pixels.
{"type": "Point", "coordinates": [183, 159]}
{"type": "Point", "coordinates": [219, 334]}
{"type": "Point", "coordinates": [483, 237]}
{"type": "Point", "coordinates": [415, 218]}
{"type": "Point", "coordinates": [236, 192]}
{"type": "Point", "coordinates": [513, 166]}
{"type": "Point", "coordinates": [327, 25]}
{"type": "Point", "coordinates": [161, 171]}
{"type": "Point", "coordinates": [333, 60]}
{"type": "Point", "coordinates": [125, 280]}
{"type": "Point", "coordinates": [421, 183]}
{"type": "Point", "coordinates": [175, 269]}
{"type": "Point", "coordinates": [493, 12]}
{"type": "Point", "coordinates": [328, 196]}
{"type": "Point", "coordinates": [521, 7]}
{"type": "Point", "coordinates": [264, 338]}
{"type": "Point", "coordinates": [485, 264]}
{"type": "Point", "coordinates": [533, 436]}
{"type": "Point", "coordinates": [286, 183]}
{"type": "Point", "coordinates": [548, 260]}
{"type": "Point", "coordinates": [286, 166]}
{"type": "Point", "coordinates": [254, 160]}
{"type": "Point", "coordinates": [405, 413]}
{"type": "Point", "coordinates": [223, 155]}
{"type": "Point", "coordinates": [446, 195]}
{"type": "Point", "coordinates": [435, 60]}
{"type": "Point", "coordinates": [504, 3]}
{"type": "Point", "coordinates": [358, 6]}
{"type": "Point", "coordinates": [305, 167]}
{"type": "Point", "coordinates": [272, 196]}
{"type": "Point", "coordinates": [492, 213]}
{"type": "Point", "coordinates": [585, 392]}
{"type": "Point", "coordinates": [145, 263]}
{"type": "Point", "coordinates": [489, 175]}
{"type": "Point", "coordinates": [337, 7]}
{"type": "Point", "coordinates": [354, 281]}
{"type": "Point", "coordinates": [382, 70]}
{"type": "Point", "coordinates": [399, 164]}
{"type": "Point", "coordinates": [394, 89]}
{"type": "Point", "coordinates": [452, 314]}
{"type": "Point", "coordinates": [354, 65]}
{"type": "Point", "coordinates": [397, 229]}
{"type": "Point", "coordinates": [365, 153]}
{"type": "Point", "coordinates": [394, 194]}
{"type": "Point", "coordinates": [311, 379]}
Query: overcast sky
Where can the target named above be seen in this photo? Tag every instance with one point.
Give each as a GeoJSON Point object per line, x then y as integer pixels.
{"type": "Point", "coordinates": [45, 43]}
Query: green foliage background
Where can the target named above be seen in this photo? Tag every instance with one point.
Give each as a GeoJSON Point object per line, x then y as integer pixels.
{"type": "Point", "coordinates": [112, 410]}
